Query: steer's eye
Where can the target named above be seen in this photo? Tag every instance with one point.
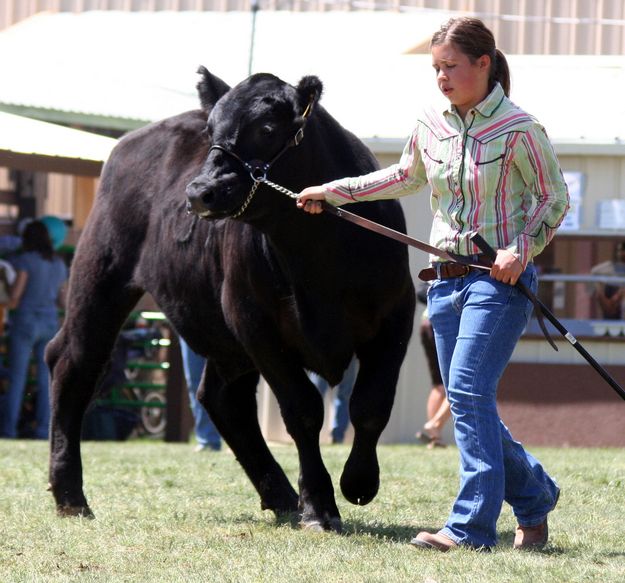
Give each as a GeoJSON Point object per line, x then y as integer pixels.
{"type": "Point", "coordinates": [266, 130]}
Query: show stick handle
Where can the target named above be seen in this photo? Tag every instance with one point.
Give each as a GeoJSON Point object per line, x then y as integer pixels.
{"type": "Point", "coordinates": [492, 255]}
{"type": "Point", "coordinates": [539, 308]}
{"type": "Point", "coordinates": [484, 247]}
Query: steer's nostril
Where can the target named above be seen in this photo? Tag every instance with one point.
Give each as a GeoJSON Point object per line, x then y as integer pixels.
{"type": "Point", "coordinates": [199, 193]}
{"type": "Point", "coordinates": [192, 189]}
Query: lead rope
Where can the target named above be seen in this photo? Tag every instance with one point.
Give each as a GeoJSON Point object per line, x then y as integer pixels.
{"type": "Point", "coordinates": [537, 307]}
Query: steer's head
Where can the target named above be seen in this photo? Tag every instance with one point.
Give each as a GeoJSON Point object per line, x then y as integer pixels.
{"type": "Point", "coordinates": [250, 127]}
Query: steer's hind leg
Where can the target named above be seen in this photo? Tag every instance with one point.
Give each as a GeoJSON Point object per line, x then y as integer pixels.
{"type": "Point", "coordinates": [232, 408]}
{"type": "Point", "coordinates": [76, 358]}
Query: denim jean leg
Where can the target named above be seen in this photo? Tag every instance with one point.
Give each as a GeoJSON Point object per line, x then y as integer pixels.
{"type": "Point", "coordinates": [320, 383]}
{"type": "Point", "coordinates": [193, 364]}
{"type": "Point", "coordinates": [47, 327]}
{"type": "Point", "coordinates": [341, 401]}
{"type": "Point", "coordinates": [477, 322]}
{"type": "Point", "coordinates": [42, 403]}
{"type": "Point", "coordinates": [21, 340]}
{"type": "Point", "coordinates": [530, 491]}
{"type": "Point", "coordinates": [205, 429]}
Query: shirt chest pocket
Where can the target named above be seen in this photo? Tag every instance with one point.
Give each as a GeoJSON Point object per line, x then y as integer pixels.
{"type": "Point", "coordinates": [438, 160]}
{"type": "Point", "coordinates": [493, 161]}
{"type": "Point", "coordinates": [487, 162]}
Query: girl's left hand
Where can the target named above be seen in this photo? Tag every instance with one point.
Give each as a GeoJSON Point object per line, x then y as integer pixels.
{"type": "Point", "coordinates": [506, 267]}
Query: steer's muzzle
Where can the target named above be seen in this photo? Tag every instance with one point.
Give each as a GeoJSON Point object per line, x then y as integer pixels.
{"type": "Point", "coordinates": [199, 196]}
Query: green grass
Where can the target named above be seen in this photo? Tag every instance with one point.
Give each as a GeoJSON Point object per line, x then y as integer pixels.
{"type": "Point", "coordinates": [165, 513]}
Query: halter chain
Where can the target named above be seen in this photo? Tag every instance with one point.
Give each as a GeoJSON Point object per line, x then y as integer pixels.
{"type": "Point", "coordinates": [248, 200]}
{"type": "Point", "coordinates": [252, 192]}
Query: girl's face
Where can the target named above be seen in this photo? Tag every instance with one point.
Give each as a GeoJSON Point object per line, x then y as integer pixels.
{"type": "Point", "coordinates": [464, 83]}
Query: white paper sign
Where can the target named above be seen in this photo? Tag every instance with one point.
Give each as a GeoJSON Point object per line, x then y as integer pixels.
{"type": "Point", "coordinates": [611, 214]}
{"type": "Point", "coordinates": [575, 183]}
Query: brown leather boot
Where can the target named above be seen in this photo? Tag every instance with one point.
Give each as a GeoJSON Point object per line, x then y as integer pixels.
{"type": "Point", "coordinates": [528, 538]}
{"type": "Point", "coordinates": [438, 542]}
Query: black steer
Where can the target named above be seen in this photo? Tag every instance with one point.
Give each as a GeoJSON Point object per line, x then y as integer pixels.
{"type": "Point", "coordinates": [271, 292]}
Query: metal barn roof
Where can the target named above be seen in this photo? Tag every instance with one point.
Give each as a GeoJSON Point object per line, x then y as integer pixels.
{"type": "Point", "coordinates": [28, 144]}
{"type": "Point", "coordinates": [121, 69]}
{"type": "Point", "coordinates": [140, 67]}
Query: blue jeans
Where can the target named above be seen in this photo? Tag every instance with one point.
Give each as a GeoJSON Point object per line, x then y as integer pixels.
{"type": "Point", "coordinates": [205, 432]}
{"type": "Point", "coordinates": [341, 399]}
{"type": "Point", "coordinates": [29, 334]}
{"type": "Point", "coordinates": [477, 323]}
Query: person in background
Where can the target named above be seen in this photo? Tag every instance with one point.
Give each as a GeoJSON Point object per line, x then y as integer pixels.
{"type": "Point", "coordinates": [611, 298]}
{"type": "Point", "coordinates": [57, 229]}
{"type": "Point", "coordinates": [36, 295]}
{"type": "Point", "coordinates": [493, 172]}
{"type": "Point", "coordinates": [437, 408]}
{"type": "Point", "coordinates": [341, 399]}
{"type": "Point", "coordinates": [7, 279]}
{"type": "Point", "coordinates": [206, 434]}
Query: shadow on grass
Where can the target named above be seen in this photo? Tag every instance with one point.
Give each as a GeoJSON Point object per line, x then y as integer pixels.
{"type": "Point", "coordinates": [388, 532]}
{"type": "Point", "coordinates": [395, 533]}
{"type": "Point", "coordinates": [399, 533]}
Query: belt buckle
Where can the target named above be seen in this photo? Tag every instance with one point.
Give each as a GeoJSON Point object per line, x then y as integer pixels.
{"type": "Point", "coordinates": [467, 270]}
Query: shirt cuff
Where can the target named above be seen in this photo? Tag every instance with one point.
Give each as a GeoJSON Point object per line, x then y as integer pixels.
{"type": "Point", "coordinates": [336, 195]}
{"type": "Point", "coordinates": [520, 249]}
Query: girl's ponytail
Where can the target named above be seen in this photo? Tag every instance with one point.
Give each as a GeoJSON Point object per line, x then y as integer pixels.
{"type": "Point", "coordinates": [501, 72]}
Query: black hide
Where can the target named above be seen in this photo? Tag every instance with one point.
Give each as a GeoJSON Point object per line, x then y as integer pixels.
{"type": "Point", "coordinates": [271, 293]}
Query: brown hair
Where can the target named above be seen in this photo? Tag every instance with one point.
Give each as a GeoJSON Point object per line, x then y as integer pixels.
{"type": "Point", "coordinates": [472, 37]}
{"type": "Point", "coordinates": [36, 238]}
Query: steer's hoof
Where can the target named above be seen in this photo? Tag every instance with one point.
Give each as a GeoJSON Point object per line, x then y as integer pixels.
{"type": "Point", "coordinates": [67, 510]}
{"type": "Point", "coordinates": [360, 480]}
{"type": "Point", "coordinates": [328, 525]}
{"type": "Point", "coordinates": [360, 491]}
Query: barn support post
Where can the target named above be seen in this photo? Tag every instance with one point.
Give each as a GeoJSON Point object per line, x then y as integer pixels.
{"type": "Point", "coordinates": [178, 411]}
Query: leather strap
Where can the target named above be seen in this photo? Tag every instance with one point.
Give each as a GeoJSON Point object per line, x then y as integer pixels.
{"type": "Point", "coordinates": [445, 271]}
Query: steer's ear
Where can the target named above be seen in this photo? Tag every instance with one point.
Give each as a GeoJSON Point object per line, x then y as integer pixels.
{"type": "Point", "coordinates": [309, 91]}
{"type": "Point", "coordinates": [210, 88]}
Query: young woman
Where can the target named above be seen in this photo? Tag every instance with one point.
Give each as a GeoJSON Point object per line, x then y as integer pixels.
{"type": "Point", "coordinates": [492, 171]}
{"type": "Point", "coordinates": [35, 297]}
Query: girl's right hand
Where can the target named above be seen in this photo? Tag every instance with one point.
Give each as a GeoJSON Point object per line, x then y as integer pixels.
{"type": "Point", "coordinates": [310, 199]}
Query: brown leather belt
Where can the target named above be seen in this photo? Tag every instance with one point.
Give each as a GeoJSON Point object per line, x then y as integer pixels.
{"type": "Point", "coordinates": [445, 271]}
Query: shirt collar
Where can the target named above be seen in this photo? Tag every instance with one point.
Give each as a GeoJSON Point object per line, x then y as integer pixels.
{"type": "Point", "coordinates": [488, 106]}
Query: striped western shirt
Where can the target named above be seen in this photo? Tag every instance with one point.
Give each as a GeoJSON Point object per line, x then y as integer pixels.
{"type": "Point", "coordinates": [495, 174]}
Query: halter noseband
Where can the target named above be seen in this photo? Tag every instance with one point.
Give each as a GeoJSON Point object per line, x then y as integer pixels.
{"type": "Point", "coordinates": [257, 168]}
